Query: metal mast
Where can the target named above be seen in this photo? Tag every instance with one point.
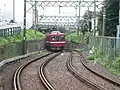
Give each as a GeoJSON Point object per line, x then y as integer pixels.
{"type": "Point", "coordinates": [35, 16]}
{"type": "Point", "coordinates": [44, 20]}
{"type": "Point", "coordinates": [119, 12]}
{"type": "Point", "coordinates": [13, 10]}
{"type": "Point", "coordinates": [24, 31]}
{"type": "Point", "coordinates": [94, 17]}
{"type": "Point", "coordinates": [32, 12]}
{"type": "Point", "coordinates": [79, 19]}
{"type": "Point", "coordinates": [104, 17]}
{"type": "Point", "coordinates": [0, 16]}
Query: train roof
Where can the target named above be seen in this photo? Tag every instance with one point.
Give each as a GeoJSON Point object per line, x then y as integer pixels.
{"type": "Point", "coordinates": [56, 32]}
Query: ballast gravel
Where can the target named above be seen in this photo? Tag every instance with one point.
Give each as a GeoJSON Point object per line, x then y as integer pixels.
{"type": "Point", "coordinates": [61, 79]}
{"type": "Point", "coordinates": [7, 71]}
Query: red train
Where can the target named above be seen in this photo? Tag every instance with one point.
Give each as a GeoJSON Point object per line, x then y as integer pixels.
{"type": "Point", "coordinates": [55, 41]}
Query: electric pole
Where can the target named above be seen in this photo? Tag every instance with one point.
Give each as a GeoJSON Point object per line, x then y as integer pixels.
{"type": "Point", "coordinates": [94, 17]}
{"type": "Point", "coordinates": [88, 19]}
{"type": "Point", "coordinates": [32, 13]}
{"type": "Point", "coordinates": [13, 10]}
{"type": "Point", "coordinates": [35, 16]}
{"type": "Point", "coordinates": [104, 17]}
{"type": "Point", "coordinates": [24, 31]}
{"type": "Point", "coordinates": [119, 12]}
{"type": "Point", "coordinates": [79, 19]}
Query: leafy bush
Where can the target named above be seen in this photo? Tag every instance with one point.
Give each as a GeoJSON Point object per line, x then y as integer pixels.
{"type": "Point", "coordinates": [30, 35]}
{"type": "Point", "coordinates": [110, 62]}
{"type": "Point", "coordinates": [73, 37]}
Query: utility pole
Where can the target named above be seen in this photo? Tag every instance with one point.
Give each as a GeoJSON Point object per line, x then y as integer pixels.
{"type": "Point", "coordinates": [35, 16]}
{"type": "Point", "coordinates": [119, 12]}
{"type": "Point", "coordinates": [79, 19]}
{"type": "Point", "coordinates": [24, 31]}
{"type": "Point", "coordinates": [118, 31]}
{"type": "Point", "coordinates": [13, 10]}
{"type": "Point", "coordinates": [37, 20]}
{"type": "Point", "coordinates": [32, 13]}
{"type": "Point", "coordinates": [104, 17]}
{"type": "Point", "coordinates": [59, 9]}
{"type": "Point", "coordinates": [88, 20]}
{"type": "Point", "coordinates": [0, 16]}
{"type": "Point", "coordinates": [94, 17]}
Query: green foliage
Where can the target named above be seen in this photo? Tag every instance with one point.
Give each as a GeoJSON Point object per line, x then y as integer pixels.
{"type": "Point", "coordinates": [73, 37]}
{"type": "Point", "coordinates": [3, 41]}
{"type": "Point", "coordinates": [100, 23]}
{"type": "Point", "coordinates": [112, 17]}
{"type": "Point", "coordinates": [30, 35]}
{"type": "Point", "coordinates": [97, 53]}
{"type": "Point", "coordinates": [111, 63]}
{"type": "Point", "coordinates": [91, 57]}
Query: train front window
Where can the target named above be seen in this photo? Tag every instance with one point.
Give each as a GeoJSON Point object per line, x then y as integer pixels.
{"type": "Point", "coordinates": [57, 38]}
{"type": "Point", "coordinates": [62, 38]}
{"type": "Point", "coordinates": [53, 38]}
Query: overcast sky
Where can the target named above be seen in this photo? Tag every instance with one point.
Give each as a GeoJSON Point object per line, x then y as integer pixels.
{"type": "Point", "coordinates": [6, 7]}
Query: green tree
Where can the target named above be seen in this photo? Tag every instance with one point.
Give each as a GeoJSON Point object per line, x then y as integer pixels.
{"type": "Point", "coordinates": [112, 18]}
{"type": "Point", "coordinates": [100, 22]}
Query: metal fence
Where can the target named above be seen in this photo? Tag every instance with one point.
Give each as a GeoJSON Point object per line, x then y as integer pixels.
{"type": "Point", "coordinates": [108, 45]}
{"type": "Point", "coordinates": [9, 29]}
{"type": "Point", "coordinates": [15, 49]}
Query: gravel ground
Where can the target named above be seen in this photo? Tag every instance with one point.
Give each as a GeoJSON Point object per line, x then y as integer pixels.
{"type": "Point", "coordinates": [56, 72]}
{"type": "Point", "coordinates": [81, 69]}
{"type": "Point", "coordinates": [59, 76]}
{"type": "Point", "coordinates": [29, 76]}
{"type": "Point", "coordinates": [7, 72]}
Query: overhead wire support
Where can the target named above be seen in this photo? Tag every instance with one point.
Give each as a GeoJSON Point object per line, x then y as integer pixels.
{"type": "Point", "coordinates": [94, 17]}
{"type": "Point", "coordinates": [119, 12]}
{"type": "Point", "coordinates": [35, 16]}
{"type": "Point", "coordinates": [104, 17]}
{"type": "Point", "coordinates": [13, 10]}
{"type": "Point", "coordinates": [77, 4]}
{"type": "Point", "coordinates": [79, 18]}
{"type": "Point", "coordinates": [24, 31]}
{"type": "Point", "coordinates": [66, 3]}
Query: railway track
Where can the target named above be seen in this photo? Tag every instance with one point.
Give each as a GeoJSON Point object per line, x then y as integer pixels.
{"type": "Point", "coordinates": [76, 73]}
{"type": "Point", "coordinates": [98, 74]}
{"type": "Point", "coordinates": [79, 76]}
{"type": "Point", "coordinates": [16, 81]}
{"type": "Point", "coordinates": [42, 74]}
{"type": "Point", "coordinates": [46, 78]}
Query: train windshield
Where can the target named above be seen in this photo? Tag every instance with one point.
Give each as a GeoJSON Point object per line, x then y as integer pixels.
{"type": "Point", "coordinates": [53, 38]}
{"type": "Point", "coordinates": [57, 38]}
{"type": "Point", "coordinates": [62, 38]}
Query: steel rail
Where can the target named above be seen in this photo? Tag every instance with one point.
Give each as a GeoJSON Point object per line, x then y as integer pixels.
{"type": "Point", "coordinates": [81, 77]}
{"type": "Point", "coordinates": [42, 74]}
{"type": "Point", "coordinates": [100, 75]}
{"type": "Point", "coordinates": [16, 78]}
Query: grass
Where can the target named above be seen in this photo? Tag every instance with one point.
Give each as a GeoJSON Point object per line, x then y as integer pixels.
{"type": "Point", "coordinates": [30, 35]}
{"type": "Point", "coordinates": [110, 62]}
{"type": "Point", "coordinates": [73, 37]}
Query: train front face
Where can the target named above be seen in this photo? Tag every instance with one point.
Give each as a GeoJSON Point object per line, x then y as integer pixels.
{"type": "Point", "coordinates": [57, 41]}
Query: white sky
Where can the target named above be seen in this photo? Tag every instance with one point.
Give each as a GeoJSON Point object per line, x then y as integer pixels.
{"type": "Point", "coordinates": [19, 8]}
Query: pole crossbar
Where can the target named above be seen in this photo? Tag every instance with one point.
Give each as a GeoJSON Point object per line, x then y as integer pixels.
{"type": "Point", "coordinates": [84, 3]}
